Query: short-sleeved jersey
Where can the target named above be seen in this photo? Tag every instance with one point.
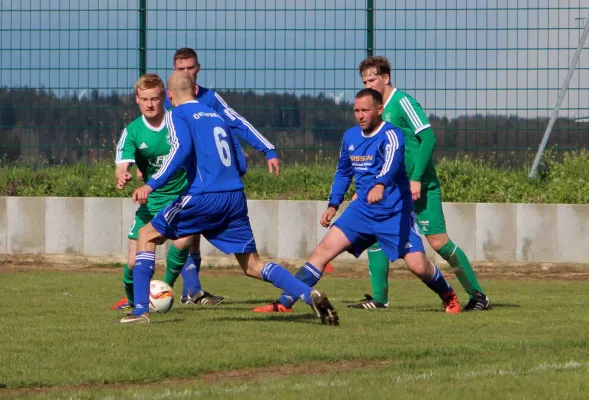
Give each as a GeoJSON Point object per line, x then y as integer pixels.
{"type": "Point", "coordinates": [404, 112]}
{"type": "Point", "coordinates": [372, 159]}
{"type": "Point", "coordinates": [202, 144]}
{"type": "Point", "coordinates": [148, 147]}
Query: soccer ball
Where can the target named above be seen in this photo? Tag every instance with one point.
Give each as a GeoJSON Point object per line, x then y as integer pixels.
{"type": "Point", "coordinates": [161, 297]}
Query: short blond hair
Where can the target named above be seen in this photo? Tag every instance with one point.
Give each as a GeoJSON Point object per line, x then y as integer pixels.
{"type": "Point", "coordinates": [149, 81]}
{"type": "Point", "coordinates": [380, 65]}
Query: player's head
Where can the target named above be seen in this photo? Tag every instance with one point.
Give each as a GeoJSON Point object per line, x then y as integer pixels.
{"type": "Point", "coordinates": [376, 73]}
{"type": "Point", "coordinates": [186, 60]}
{"type": "Point", "coordinates": [180, 88]}
{"type": "Point", "coordinates": [368, 109]}
{"type": "Point", "coordinates": [149, 95]}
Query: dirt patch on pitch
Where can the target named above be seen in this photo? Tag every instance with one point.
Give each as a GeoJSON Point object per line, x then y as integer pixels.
{"type": "Point", "coordinates": [236, 375]}
{"type": "Point", "coordinates": [314, 368]}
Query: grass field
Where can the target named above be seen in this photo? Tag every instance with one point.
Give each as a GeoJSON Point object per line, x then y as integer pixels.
{"type": "Point", "coordinates": [58, 339]}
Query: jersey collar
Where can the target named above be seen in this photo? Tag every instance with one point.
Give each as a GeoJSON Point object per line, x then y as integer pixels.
{"type": "Point", "coordinates": [390, 97]}
{"type": "Point", "coordinates": [375, 131]}
{"type": "Point", "coordinates": [153, 128]}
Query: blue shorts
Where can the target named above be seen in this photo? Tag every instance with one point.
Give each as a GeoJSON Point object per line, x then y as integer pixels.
{"type": "Point", "coordinates": [220, 217]}
{"type": "Point", "coordinates": [396, 233]}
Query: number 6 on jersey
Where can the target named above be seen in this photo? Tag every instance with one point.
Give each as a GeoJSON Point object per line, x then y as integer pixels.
{"type": "Point", "coordinates": [222, 146]}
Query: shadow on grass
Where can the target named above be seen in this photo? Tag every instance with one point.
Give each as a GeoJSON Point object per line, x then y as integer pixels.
{"type": "Point", "coordinates": [282, 317]}
{"type": "Point", "coordinates": [250, 301]}
{"type": "Point", "coordinates": [168, 321]}
{"type": "Point", "coordinates": [504, 305]}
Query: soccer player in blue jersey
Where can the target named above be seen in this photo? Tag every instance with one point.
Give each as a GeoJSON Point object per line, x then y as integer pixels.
{"type": "Point", "coordinates": [372, 154]}
{"type": "Point", "coordinates": [186, 61]}
{"type": "Point", "coordinates": [214, 204]}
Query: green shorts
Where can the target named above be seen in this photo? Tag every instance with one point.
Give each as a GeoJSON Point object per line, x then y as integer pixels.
{"type": "Point", "coordinates": [430, 216]}
{"type": "Point", "coordinates": [146, 212]}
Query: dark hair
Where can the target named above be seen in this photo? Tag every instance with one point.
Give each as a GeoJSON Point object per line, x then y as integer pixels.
{"type": "Point", "coordinates": [375, 94]}
{"type": "Point", "coordinates": [185, 53]}
{"type": "Point", "coordinates": [380, 64]}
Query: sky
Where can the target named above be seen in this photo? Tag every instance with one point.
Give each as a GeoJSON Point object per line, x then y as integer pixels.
{"type": "Point", "coordinates": [455, 56]}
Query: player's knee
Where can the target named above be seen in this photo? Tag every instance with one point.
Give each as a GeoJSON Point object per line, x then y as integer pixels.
{"type": "Point", "coordinates": [183, 243]}
{"type": "Point", "coordinates": [148, 234]}
{"type": "Point", "coordinates": [437, 241]}
{"type": "Point", "coordinates": [251, 264]}
{"type": "Point", "coordinates": [418, 264]}
{"type": "Point", "coordinates": [321, 255]}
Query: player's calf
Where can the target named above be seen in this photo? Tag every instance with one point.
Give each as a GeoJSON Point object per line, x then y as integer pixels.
{"type": "Point", "coordinates": [282, 279]}
{"type": "Point", "coordinates": [433, 278]}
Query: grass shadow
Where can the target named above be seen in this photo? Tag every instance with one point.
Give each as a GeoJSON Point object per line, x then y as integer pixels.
{"type": "Point", "coordinates": [251, 301]}
{"type": "Point", "coordinates": [300, 318]}
{"type": "Point", "coordinates": [504, 305]}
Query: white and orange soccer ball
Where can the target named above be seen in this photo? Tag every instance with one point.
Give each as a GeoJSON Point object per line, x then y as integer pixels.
{"type": "Point", "coordinates": [161, 297]}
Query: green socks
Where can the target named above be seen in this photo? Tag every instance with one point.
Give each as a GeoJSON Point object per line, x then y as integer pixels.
{"type": "Point", "coordinates": [378, 266]}
{"type": "Point", "coordinates": [128, 284]}
{"type": "Point", "coordinates": [461, 266]}
{"type": "Point", "coordinates": [175, 261]}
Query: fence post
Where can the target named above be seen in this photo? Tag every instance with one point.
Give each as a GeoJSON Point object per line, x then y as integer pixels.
{"type": "Point", "coordinates": [563, 91]}
{"type": "Point", "coordinates": [369, 28]}
{"type": "Point", "coordinates": [142, 37]}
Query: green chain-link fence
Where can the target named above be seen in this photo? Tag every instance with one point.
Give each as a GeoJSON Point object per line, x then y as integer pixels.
{"type": "Point", "coordinates": [487, 72]}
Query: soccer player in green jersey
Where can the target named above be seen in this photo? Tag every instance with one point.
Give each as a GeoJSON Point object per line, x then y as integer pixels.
{"type": "Point", "coordinates": [405, 112]}
{"type": "Point", "coordinates": [146, 143]}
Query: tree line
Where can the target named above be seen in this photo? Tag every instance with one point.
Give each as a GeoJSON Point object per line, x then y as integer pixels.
{"type": "Point", "coordinates": [37, 124]}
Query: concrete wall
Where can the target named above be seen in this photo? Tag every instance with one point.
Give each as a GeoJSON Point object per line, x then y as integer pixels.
{"type": "Point", "coordinates": [290, 229]}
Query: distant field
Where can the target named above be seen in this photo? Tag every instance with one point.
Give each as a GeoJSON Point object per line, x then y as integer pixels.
{"type": "Point", "coordinates": [58, 339]}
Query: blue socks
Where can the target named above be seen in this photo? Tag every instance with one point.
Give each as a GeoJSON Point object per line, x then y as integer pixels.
{"type": "Point", "coordinates": [438, 283]}
{"type": "Point", "coordinates": [142, 274]}
{"type": "Point", "coordinates": [307, 274]}
{"type": "Point", "coordinates": [282, 279]}
{"type": "Point", "coordinates": [190, 275]}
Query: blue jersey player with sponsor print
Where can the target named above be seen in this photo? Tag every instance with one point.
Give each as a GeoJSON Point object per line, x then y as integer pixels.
{"type": "Point", "coordinates": [214, 204]}
{"type": "Point", "coordinates": [372, 154]}
{"type": "Point", "coordinates": [186, 61]}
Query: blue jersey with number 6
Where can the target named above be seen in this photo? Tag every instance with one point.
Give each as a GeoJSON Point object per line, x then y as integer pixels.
{"type": "Point", "coordinates": [202, 144]}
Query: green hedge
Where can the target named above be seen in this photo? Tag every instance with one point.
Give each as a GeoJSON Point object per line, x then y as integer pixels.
{"type": "Point", "coordinates": [562, 180]}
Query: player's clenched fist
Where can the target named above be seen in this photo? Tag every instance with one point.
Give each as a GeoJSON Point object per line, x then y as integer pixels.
{"type": "Point", "coordinates": [123, 179]}
{"type": "Point", "coordinates": [375, 194]}
{"type": "Point", "coordinates": [140, 194]}
{"type": "Point", "coordinates": [328, 216]}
